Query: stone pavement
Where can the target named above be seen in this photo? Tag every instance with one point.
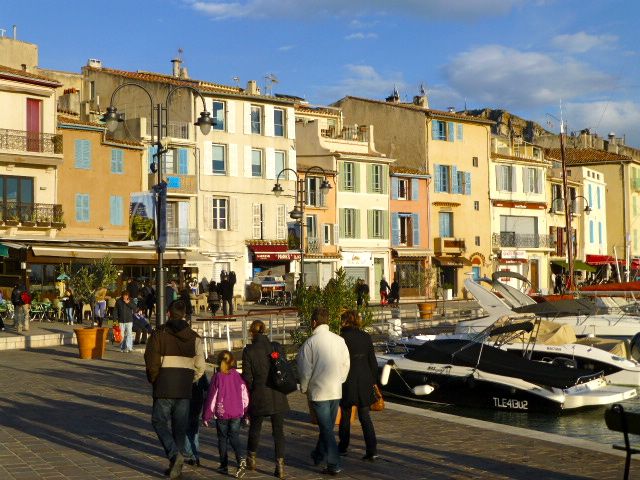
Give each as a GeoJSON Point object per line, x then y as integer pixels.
{"type": "Point", "coordinates": [66, 418]}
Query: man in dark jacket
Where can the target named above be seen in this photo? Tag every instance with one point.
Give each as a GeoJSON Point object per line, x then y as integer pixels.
{"type": "Point", "coordinates": [174, 359]}
{"type": "Point", "coordinates": [123, 313]}
{"type": "Point", "coordinates": [265, 401]}
{"type": "Point", "coordinates": [20, 317]}
{"type": "Point", "coordinates": [226, 292]}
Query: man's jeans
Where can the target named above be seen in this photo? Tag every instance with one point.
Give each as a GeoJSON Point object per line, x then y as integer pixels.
{"type": "Point", "coordinates": [127, 336]}
{"type": "Point", "coordinates": [169, 419]}
{"type": "Point", "coordinates": [228, 434]}
{"type": "Point", "coordinates": [327, 448]}
{"type": "Point", "coordinates": [21, 313]}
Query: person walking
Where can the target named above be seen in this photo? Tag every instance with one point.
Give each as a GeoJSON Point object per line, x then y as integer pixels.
{"type": "Point", "coordinates": [394, 294]}
{"type": "Point", "coordinates": [323, 366]}
{"type": "Point", "coordinates": [265, 401]}
{"type": "Point", "coordinates": [358, 389]}
{"type": "Point", "coordinates": [185, 296]}
{"type": "Point", "coordinates": [192, 443]}
{"type": "Point", "coordinates": [123, 314]}
{"type": "Point", "coordinates": [227, 402]}
{"type": "Point", "coordinates": [170, 293]}
{"type": "Point", "coordinates": [384, 291]}
{"type": "Point", "coordinates": [69, 305]}
{"type": "Point", "coordinates": [100, 310]}
{"type": "Point", "coordinates": [362, 293]}
{"type": "Point", "coordinates": [20, 308]}
{"type": "Point", "coordinates": [226, 292]}
{"type": "Point", "coordinates": [174, 360]}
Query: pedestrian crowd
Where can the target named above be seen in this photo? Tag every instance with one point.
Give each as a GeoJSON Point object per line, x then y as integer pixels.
{"type": "Point", "coordinates": [336, 372]}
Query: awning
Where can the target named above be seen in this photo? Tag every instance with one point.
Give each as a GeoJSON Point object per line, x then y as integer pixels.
{"type": "Point", "coordinates": [411, 252]}
{"type": "Point", "coordinates": [274, 252]}
{"type": "Point", "coordinates": [116, 254]}
{"type": "Point", "coordinates": [602, 260]}
{"type": "Point", "coordinates": [452, 261]}
{"type": "Point", "coordinates": [577, 265]}
{"type": "Point", "coordinates": [261, 248]}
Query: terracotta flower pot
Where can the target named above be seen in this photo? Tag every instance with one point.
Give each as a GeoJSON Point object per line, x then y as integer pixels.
{"type": "Point", "coordinates": [92, 342]}
{"type": "Point", "coordinates": [426, 310]}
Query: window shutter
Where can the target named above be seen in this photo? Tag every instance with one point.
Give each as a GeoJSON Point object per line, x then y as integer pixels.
{"type": "Point", "coordinates": [183, 161]}
{"type": "Point", "coordinates": [78, 153]}
{"type": "Point", "coordinates": [247, 118]}
{"type": "Point", "coordinates": [113, 219]}
{"type": "Point", "coordinates": [459, 136]}
{"type": "Point", "coordinates": [336, 234]}
{"type": "Point", "coordinates": [514, 179]}
{"type": "Point", "coordinates": [415, 189]}
{"type": "Point", "coordinates": [208, 212]}
{"type": "Point", "coordinates": [257, 219]}
{"type": "Point", "coordinates": [526, 186]}
{"type": "Point", "coordinates": [443, 224]}
{"type": "Point", "coordinates": [434, 130]}
{"type": "Point", "coordinates": [230, 109]}
{"type": "Point", "coordinates": [281, 224]}
{"type": "Point", "coordinates": [86, 153]}
{"type": "Point", "coordinates": [342, 220]}
{"type": "Point", "coordinates": [232, 159]}
{"type": "Point", "coordinates": [369, 170]}
{"type": "Point", "coordinates": [499, 178]}
{"type": "Point", "coordinates": [356, 223]}
{"type": "Point", "coordinates": [291, 123]}
{"type": "Point", "coordinates": [385, 179]}
{"type": "Point", "coordinates": [590, 195]}
{"type": "Point", "coordinates": [370, 220]}
{"type": "Point", "coordinates": [356, 177]}
{"type": "Point", "coordinates": [600, 233]}
{"type": "Point", "coordinates": [451, 132]}
{"type": "Point", "coordinates": [455, 186]}
{"type": "Point", "coordinates": [395, 229]}
{"type": "Point", "coordinates": [342, 177]}
{"type": "Point", "coordinates": [415, 223]}
{"type": "Point", "coordinates": [232, 213]}
{"type": "Point", "coordinates": [395, 186]}
{"type": "Point", "coordinates": [539, 182]}
{"type": "Point", "coordinates": [438, 184]}
{"type": "Point", "coordinates": [591, 231]}
{"type": "Point", "coordinates": [385, 224]}
{"type": "Point", "coordinates": [467, 183]}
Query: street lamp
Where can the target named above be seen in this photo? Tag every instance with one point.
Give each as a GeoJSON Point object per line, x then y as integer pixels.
{"type": "Point", "coordinates": [568, 207]}
{"type": "Point", "coordinates": [112, 119]}
{"type": "Point", "coordinates": [298, 210]}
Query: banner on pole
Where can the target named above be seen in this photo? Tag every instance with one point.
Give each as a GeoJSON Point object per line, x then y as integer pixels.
{"type": "Point", "coordinates": [142, 216]}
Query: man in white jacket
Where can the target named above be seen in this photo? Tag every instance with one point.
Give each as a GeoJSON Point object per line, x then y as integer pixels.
{"type": "Point", "coordinates": [323, 365]}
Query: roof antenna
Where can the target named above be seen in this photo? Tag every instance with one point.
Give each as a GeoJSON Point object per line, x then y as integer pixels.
{"type": "Point", "coordinates": [237, 81]}
{"type": "Point", "coordinates": [269, 80]}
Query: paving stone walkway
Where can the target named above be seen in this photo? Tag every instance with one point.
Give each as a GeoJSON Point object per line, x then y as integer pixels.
{"type": "Point", "coordinates": [66, 418]}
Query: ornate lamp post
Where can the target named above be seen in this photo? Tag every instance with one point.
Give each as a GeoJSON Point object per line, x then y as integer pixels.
{"type": "Point", "coordinates": [112, 119]}
{"type": "Point", "coordinates": [298, 210]}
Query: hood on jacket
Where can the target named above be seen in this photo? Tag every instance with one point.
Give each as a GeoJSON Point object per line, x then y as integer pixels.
{"type": "Point", "coordinates": [181, 330]}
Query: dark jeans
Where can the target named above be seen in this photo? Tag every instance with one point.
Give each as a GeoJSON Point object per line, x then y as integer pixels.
{"type": "Point", "coordinates": [368, 431]}
{"type": "Point", "coordinates": [227, 306]}
{"type": "Point", "coordinates": [192, 443]}
{"type": "Point", "coordinates": [327, 448]}
{"type": "Point", "coordinates": [174, 412]}
{"type": "Point", "coordinates": [277, 430]}
{"type": "Point", "coordinates": [228, 433]}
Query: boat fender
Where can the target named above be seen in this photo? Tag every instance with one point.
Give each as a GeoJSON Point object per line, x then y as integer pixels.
{"type": "Point", "coordinates": [386, 371]}
{"type": "Point", "coordinates": [422, 389]}
{"type": "Point", "coordinates": [635, 347]}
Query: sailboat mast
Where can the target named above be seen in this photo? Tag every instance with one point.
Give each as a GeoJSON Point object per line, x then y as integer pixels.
{"type": "Point", "coordinates": [567, 211]}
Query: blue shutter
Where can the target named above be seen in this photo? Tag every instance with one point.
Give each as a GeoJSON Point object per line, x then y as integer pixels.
{"type": "Point", "coordinates": [183, 163]}
{"type": "Point", "coordinates": [78, 204]}
{"type": "Point", "coordinates": [459, 135]}
{"type": "Point", "coordinates": [86, 154]}
{"type": "Point", "coordinates": [442, 220]}
{"type": "Point", "coordinates": [415, 222]}
{"type": "Point", "coordinates": [438, 185]}
{"type": "Point", "coordinates": [395, 229]}
{"type": "Point", "coordinates": [113, 218]}
{"type": "Point", "coordinates": [591, 232]}
{"type": "Point", "coordinates": [434, 130]}
{"type": "Point", "coordinates": [451, 132]}
{"type": "Point", "coordinates": [78, 146]}
{"type": "Point", "coordinates": [415, 189]}
{"type": "Point", "coordinates": [600, 233]}
{"type": "Point", "coordinates": [394, 188]}
{"type": "Point", "coordinates": [150, 157]}
{"type": "Point", "coordinates": [467, 183]}
{"type": "Point", "coordinates": [455, 186]}
{"type": "Point", "coordinates": [590, 196]}
{"type": "Point", "coordinates": [598, 196]}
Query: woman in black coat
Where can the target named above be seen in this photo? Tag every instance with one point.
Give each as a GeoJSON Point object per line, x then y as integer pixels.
{"type": "Point", "coordinates": [358, 389]}
{"type": "Point", "coordinates": [264, 400]}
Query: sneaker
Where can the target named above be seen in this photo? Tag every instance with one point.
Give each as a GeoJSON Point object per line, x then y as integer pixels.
{"type": "Point", "coordinates": [242, 467]}
{"type": "Point", "coordinates": [223, 469]}
{"type": "Point", "coordinates": [333, 471]}
{"type": "Point", "coordinates": [175, 467]}
{"type": "Point", "coordinates": [370, 458]}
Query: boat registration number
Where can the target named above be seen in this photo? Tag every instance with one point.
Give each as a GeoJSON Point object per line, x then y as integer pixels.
{"type": "Point", "coordinates": [510, 403]}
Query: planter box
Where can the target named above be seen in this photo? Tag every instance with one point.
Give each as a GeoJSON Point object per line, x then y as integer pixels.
{"type": "Point", "coordinates": [92, 342]}
{"type": "Point", "coordinates": [426, 310]}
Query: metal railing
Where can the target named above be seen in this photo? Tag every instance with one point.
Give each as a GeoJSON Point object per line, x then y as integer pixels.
{"type": "Point", "coordinates": [31, 214]}
{"type": "Point", "coordinates": [173, 130]}
{"type": "Point", "coordinates": [182, 237]}
{"type": "Point", "coordinates": [352, 132]}
{"type": "Point", "coordinates": [23, 141]}
{"type": "Point", "coordinates": [522, 240]}
{"type": "Point", "coordinates": [177, 183]}
{"type": "Point", "coordinates": [314, 245]}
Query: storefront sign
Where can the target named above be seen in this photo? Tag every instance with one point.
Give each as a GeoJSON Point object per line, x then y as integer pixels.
{"type": "Point", "coordinates": [513, 254]}
{"type": "Point", "coordinates": [523, 205]}
{"type": "Point", "coordinates": [277, 256]}
{"type": "Point", "coordinates": [357, 259]}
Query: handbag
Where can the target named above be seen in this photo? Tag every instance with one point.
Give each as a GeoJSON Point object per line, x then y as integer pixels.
{"type": "Point", "coordinates": [117, 333]}
{"type": "Point", "coordinates": [378, 405]}
{"type": "Point", "coordinates": [281, 376]}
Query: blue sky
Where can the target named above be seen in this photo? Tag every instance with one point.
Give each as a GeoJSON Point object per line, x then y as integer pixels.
{"type": "Point", "coordinates": [523, 56]}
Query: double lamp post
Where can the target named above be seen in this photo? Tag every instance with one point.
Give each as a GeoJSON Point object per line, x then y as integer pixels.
{"type": "Point", "coordinates": [112, 119]}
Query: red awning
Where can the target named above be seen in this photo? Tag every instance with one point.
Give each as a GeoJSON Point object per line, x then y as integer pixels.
{"type": "Point", "coordinates": [274, 253]}
{"type": "Point", "coordinates": [602, 260]}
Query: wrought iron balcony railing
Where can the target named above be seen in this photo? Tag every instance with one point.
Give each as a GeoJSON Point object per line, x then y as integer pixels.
{"type": "Point", "coordinates": [31, 214]}
{"type": "Point", "coordinates": [23, 141]}
{"type": "Point", "coordinates": [182, 237]}
{"type": "Point", "coordinates": [522, 240]}
{"type": "Point", "coordinates": [314, 245]}
{"type": "Point", "coordinates": [173, 130]}
{"type": "Point", "coordinates": [352, 132]}
{"type": "Point", "coordinates": [176, 183]}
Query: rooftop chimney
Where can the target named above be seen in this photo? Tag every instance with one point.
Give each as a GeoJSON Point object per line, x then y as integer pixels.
{"type": "Point", "coordinates": [421, 101]}
{"type": "Point", "coordinates": [451, 109]}
{"type": "Point", "coordinates": [15, 32]}
{"type": "Point", "coordinates": [94, 63]}
{"type": "Point", "coordinates": [176, 67]}
{"type": "Point", "coordinates": [252, 88]}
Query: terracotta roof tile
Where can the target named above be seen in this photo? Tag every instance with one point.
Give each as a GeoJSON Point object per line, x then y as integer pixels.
{"type": "Point", "coordinates": [585, 156]}
{"type": "Point", "coordinates": [77, 121]}
{"type": "Point", "coordinates": [27, 75]}
{"type": "Point", "coordinates": [517, 158]}
{"type": "Point", "coordinates": [407, 170]}
{"type": "Point", "coordinates": [128, 143]}
{"type": "Point", "coordinates": [316, 110]}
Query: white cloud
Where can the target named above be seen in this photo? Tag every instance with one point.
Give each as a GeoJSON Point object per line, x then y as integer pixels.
{"type": "Point", "coordinates": [620, 117]}
{"type": "Point", "coordinates": [360, 24]}
{"type": "Point", "coordinates": [285, 48]}
{"type": "Point", "coordinates": [361, 36]}
{"type": "Point", "coordinates": [582, 42]}
{"type": "Point", "coordinates": [506, 77]}
{"type": "Point", "coordinates": [432, 9]}
{"type": "Point", "coordinates": [361, 81]}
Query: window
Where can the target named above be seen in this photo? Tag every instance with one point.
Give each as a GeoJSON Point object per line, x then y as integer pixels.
{"type": "Point", "coordinates": [477, 241]}
{"type": "Point", "coordinates": [219, 214]}
{"type": "Point", "coordinates": [443, 182]}
{"type": "Point", "coordinates": [327, 228]}
{"type": "Point", "coordinates": [278, 122]}
{"type": "Point", "coordinates": [168, 162]}
{"type": "Point", "coordinates": [376, 224]}
{"type": "Point", "coordinates": [281, 222]}
{"type": "Point", "coordinates": [377, 179]}
{"type": "Point", "coordinates": [504, 178]}
{"type": "Point", "coordinates": [438, 130]}
{"type": "Point", "coordinates": [256, 119]}
{"type": "Point", "coordinates": [405, 230]}
{"type": "Point", "coordinates": [476, 205]}
{"type": "Point", "coordinates": [556, 198]}
{"type": "Point", "coordinates": [349, 223]}
{"type": "Point", "coordinates": [176, 161]}
{"type": "Point", "coordinates": [461, 182]}
{"type": "Point", "coordinates": [116, 210]}
{"type": "Point", "coordinates": [219, 160]}
{"type": "Point", "coordinates": [446, 224]}
{"type": "Point", "coordinates": [117, 161]}
{"type": "Point", "coordinates": [256, 163]}
{"type": "Point", "coordinates": [403, 189]}
{"type": "Point", "coordinates": [315, 197]}
{"type": "Point", "coordinates": [349, 176]}
{"type": "Point", "coordinates": [92, 90]}
{"type": "Point", "coordinates": [83, 154]}
{"type": "Point", "coordinates": [16, 189]}
{"type": "Point", "coordinates": [281, 163]}
{"type": "Point", "coordinates": [474, 160]}
{"type": "Point", "coordinates": [82, 207]}
{"type": "Point", "coordinates": [218, 115]}
{"type": "Point", "coordinates": [531, 180]}
{"type": "Point", "coordinates": [257, 221]}
{"type": "Point", "coordinates": [312, 227]}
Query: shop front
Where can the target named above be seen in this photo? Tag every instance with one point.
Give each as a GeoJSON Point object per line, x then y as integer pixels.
{"type": "Point", "coordinates": [319, 269]}
{"type": "Point", "coordinates": [409, 269]}
{"type": "Point", "coordinates": [274, 257]}
{"type": "Point", "coordinates": [448, 272]}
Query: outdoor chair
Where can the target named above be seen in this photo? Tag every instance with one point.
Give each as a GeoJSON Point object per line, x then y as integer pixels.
{"type": "Point", "coordinates": [626, 422]}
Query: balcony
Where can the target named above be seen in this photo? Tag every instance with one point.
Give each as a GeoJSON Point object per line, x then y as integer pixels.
{"type": "Point", "coordinates": [352, 132]}
{"type": "Point", "coordinates": [635, 184]}
{"type": "Point", "coordinates": [173, 130]}
{"type": "Point", "coordinates": [182, 237]}
{"type": "Point", "coordinates": [314, 245]}
{"type": "Point", "coordinates": [14, 214]}
{"type": "Point", "coordinates": [177, 183]}
{"type": "Point", "coordinates": [448, 245]}
{"type": "Point", "coordinates": [23, 141]}
{"type": "Point", "coordinates": [522, 240]}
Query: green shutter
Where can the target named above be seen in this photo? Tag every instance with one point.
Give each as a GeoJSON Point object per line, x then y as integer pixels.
{"type": "Point", "coordinates": [385, 224]}
{"type": "Point", "coordinates": [356, 229]}
{"type": "Point", "coordinates": [385, 179]}
{"type": "Point", "coordinates": [370, 220]}
{"type": "Point", "coordinates": [356, 177]}
{"type": "Point", "coordinates": [369, 178]}
{"type": "Point", "coordinates": [341, 218]}
{"type": "Point", "coordinates": [343, 178]}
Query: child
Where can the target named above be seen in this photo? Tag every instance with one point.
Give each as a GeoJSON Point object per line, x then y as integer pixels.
{"type": "Point", "coordinates": [227, 401]}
